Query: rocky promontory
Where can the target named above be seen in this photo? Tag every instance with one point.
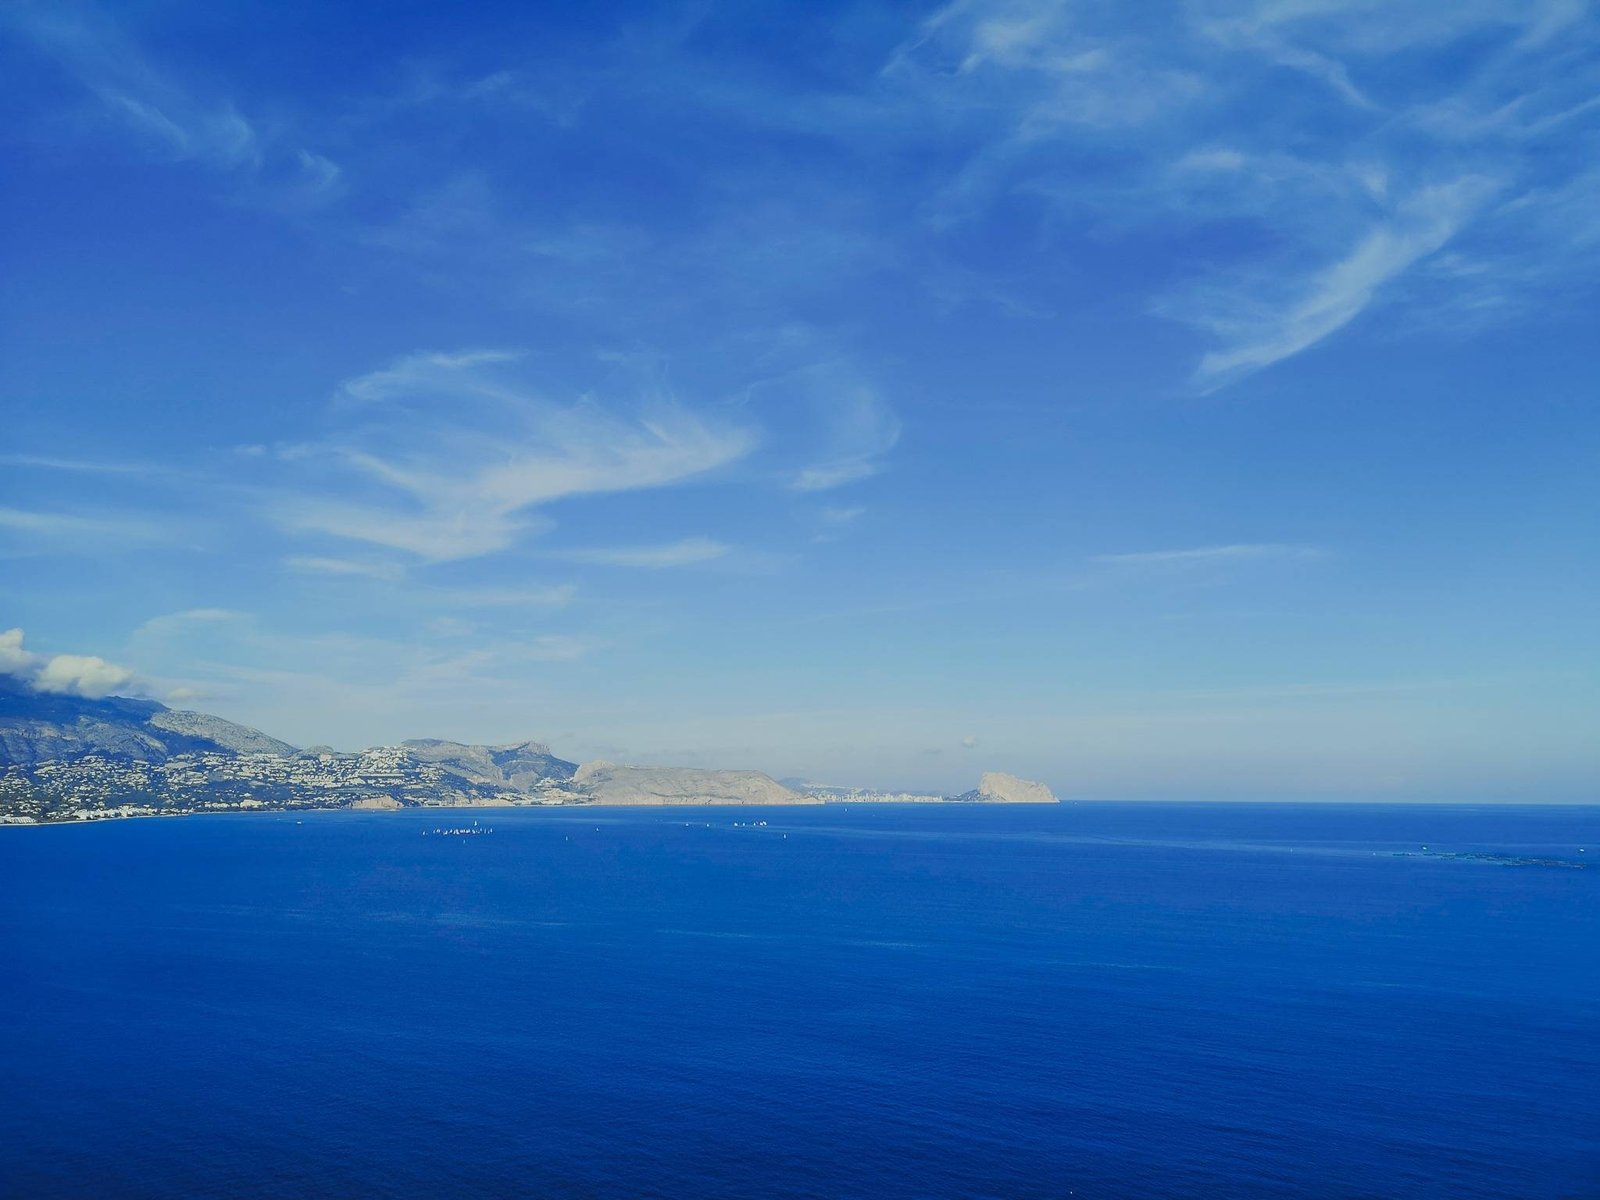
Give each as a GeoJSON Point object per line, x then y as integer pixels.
{"type": "Point", "coordinates": [996, 787]}
{"type": "Point", "coordinates": [608, 783]}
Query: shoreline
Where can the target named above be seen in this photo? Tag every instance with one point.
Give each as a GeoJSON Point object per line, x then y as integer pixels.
{"type": "Point", "coordinates": [1562, 805]}
{"type": "Point", "coordinates": [6, 823]}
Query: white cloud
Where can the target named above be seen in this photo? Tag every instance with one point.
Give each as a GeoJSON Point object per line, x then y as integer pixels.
{"type": "Point", "coordinates": [1369, 28]}
{"type": "Point", "coordinates": [1383, 152]}
{"type": "Point", "coordinates": [827, 476]}
{"type": "Point", "coordinates": [47, 462]}
{"type": "Point", "coordinates": [671, 554]}
{"type": "Point", "coordinates": [553, 596]}
{"type": "Point", "coordinates": [64, 674]}
{"type": "Point", "coordinates": [81, 675]}
{"type": "Point", "coordinates": [860, 429]}
{"type": "Point", "coordinates": [557, 595]}
{"type": "Point", "coordinates": [14, 660]}
{"type": "Point", "coordinates": [318, 565]}
{"type": "Point", "coordinates": [51, 524]}
{"type": "Point", "coordinates": [170, 121]}
{"type": "Point", "coordinates": [1339, 293]}
{"type": "Point", "coordinates": [451, 375]}
{"type": "Point", "coordinates": [434, 537]}
{"type": "Point", "coordinates": [1211, 554]}
{"type": "Point", "coordinates": [175, 621]}
{"type": "Point", "coordinates": [1038, 65]}
{"type": "Point", "coordinates": [1213, 158]}
{"type": "Point", "coordinates": [445, 459]}
{"type": "Point", "coordinates": [71, 532]}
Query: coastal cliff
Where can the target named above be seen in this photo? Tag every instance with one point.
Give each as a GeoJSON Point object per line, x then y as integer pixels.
{"type": "Point", "coordinates": [997, 787]}
{"type": "Point", "coordinates": [608, 783]}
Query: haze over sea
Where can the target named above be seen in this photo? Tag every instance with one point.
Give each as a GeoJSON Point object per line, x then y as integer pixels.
{"type": "Point", "coordinates": [1110, 1000]}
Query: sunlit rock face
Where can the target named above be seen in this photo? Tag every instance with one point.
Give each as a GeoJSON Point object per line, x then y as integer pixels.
{"type": "Point", "coordinates": [999, 788]}
{"type": "Point", "coordinates": [40, 726]}
{"type": "Point", "coordinates": [226, 735]}
{"type": "Point", "coordinates": [608, 783]}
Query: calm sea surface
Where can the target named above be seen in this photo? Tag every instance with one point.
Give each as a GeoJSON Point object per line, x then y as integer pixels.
{"type": "Point", "coordinates": [1090, 1000]}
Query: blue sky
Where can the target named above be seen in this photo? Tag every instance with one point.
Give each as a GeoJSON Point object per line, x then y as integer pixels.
{"type": "Point", "coordinates": [1174, 400]}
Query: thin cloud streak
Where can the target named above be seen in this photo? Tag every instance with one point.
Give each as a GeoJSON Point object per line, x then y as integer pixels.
{"type": "Point", "coordinates": [176, 622]}
{"type": "Point", "coordinates": [673, 554]}
{"type": "Point", "coordinates": [453, 461]}
{"type": "Point", "coordinates": [310, 564]}
{"type": "Point", "coordinates": [860, 429]}
{"type": "Point", "coordinates": [1344, 209]}
{"type": "Point", "coordinates": [45, 462]}
{"type": "Point", "coordinates": [63, 530]}
{"type": "Point", "coordinates": [1346, 289]}
{"type": "Point", "coordinates": [1238, 552]}
{"type": "Point", "coordinates": [553, 596]}
{"type": "Point", "coordinates": [166, 119]}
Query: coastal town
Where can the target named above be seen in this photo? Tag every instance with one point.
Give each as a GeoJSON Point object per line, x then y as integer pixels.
{"type": "Point", "coordinates": [66, 758]}
{"type": "Point", "coordinates": [97, 786]}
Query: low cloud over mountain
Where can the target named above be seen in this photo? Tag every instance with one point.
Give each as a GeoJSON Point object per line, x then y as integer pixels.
{"type": "Point", "coordinates": [82, 675]}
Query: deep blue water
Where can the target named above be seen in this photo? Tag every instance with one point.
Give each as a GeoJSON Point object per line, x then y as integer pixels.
{"type": "Point", "coordinates": [1091, 1000]}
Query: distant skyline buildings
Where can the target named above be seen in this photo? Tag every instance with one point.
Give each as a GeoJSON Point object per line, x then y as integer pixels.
{"type": "Point", "coordinates": [1196, 402]}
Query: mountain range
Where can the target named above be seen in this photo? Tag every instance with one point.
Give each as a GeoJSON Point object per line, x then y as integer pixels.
{"type": "Point", "coordinates": [40, 726]}
{"type": "Point", "coordinates": [65, 757]}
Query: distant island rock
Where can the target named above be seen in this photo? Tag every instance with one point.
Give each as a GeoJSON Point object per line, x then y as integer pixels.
{"type": "Point", "coordinates": [608, 783]}
{"type": "Point", "coordinates": [996, 787]}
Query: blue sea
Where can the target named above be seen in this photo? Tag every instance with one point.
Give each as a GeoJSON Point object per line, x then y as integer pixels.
{"type": "Point", "coordinates": [1095, 1000]}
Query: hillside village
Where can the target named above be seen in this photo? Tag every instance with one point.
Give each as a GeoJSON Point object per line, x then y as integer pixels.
{"type": "Point", "coordinates": [98, 785]}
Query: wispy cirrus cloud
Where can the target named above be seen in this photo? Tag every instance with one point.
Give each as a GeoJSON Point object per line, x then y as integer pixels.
{"type": "Point", "coordinates": [1330, 299]}
{"type": "Point", "coordinates": [444, 459]}
{"type": "Point", "coordinates": [557, 595]}
{"type": "Point", "coordinates": [858, 430]}
{"type": "Point", "coordinates": [670, 554]}
{"type": "Point", "coordinates": [1234, 552]}
{"type": "Point", "coordinates": [48, 462]}
{"type": "Point", "coordinates": [826, 476]}
{"type": "Point", "coordinates": [67, 530]}
{"type": "Point", "coordinates": [315, 564]}
{"type": "Point", "coordinates": [1031, 115]}
{"type": "Point", "coordinates": [449, 376]}
{"type": "Point", "coordinates": [1444, 121]}
{"type": "Point", "coordinates": [176, 622]}
{"type": "Point", "coordinates": [167, 119]}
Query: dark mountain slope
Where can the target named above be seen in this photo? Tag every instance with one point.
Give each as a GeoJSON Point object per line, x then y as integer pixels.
{"type": "Point", "coordinates": [38, 727]}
